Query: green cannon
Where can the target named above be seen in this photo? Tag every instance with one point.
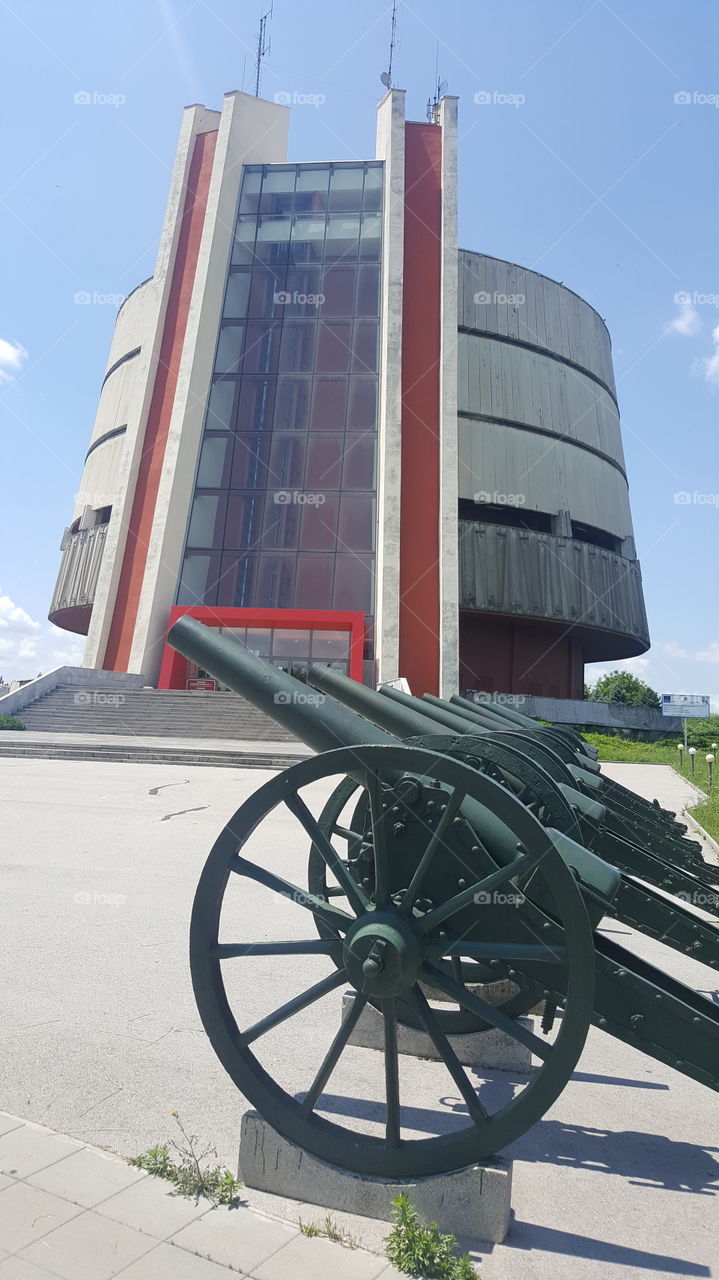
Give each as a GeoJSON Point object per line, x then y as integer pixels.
{"type": "Point", "coordinates": [443, 892]}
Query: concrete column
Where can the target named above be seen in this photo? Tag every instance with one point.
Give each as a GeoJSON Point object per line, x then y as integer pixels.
{"type": "Point", "coordinates": [449, 481]}
{"type": "Point", "coordinates": [390, 148]}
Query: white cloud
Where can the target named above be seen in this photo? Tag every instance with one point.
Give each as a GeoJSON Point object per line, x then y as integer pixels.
{"type": "Point", "coordinates": [12, 355]}
{"type": "Point", "coordinates": [672, 649]}
{"type": "Point", "coordinates": [686, 322]}
{"type": "Point", "coordinates": [28, 646]}
{"type": "Point", "coordinates": [710, 654]}
{"type": "Point", "coordinates": [708, 366]}
{"type": "Point", "coordinates": [636, 666]}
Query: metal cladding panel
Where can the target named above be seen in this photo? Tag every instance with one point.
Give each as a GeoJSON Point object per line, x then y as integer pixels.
{"type": "Point", "coordinates": [502, 298]}
{"type": "Point", "coordinates": [517, 571]}
{"type": "Point", "coordinates": [510, 382]}
{"type": "Point", "coordinates": [79, 568]}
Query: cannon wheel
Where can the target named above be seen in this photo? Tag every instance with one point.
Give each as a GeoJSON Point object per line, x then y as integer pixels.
{"type": "Point", "coordinates": [387, 948]}
{"type": "Point", "coordinates": [537, 792]}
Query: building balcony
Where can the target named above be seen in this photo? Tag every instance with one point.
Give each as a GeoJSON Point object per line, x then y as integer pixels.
{"type": "Point", "coordinates": [518, 572]}
{"type": "Point", "coordinates": [74, 593]}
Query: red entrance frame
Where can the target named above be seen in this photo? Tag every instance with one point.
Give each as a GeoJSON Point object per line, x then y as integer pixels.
{"type": "Point", "coordinates": [173, 671]}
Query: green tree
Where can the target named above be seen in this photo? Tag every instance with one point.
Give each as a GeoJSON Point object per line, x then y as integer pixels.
{"type": "Point", "coordinates": [622, 686]}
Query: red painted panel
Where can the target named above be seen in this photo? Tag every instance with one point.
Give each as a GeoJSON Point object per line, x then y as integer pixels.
{"type": "Point", "coordinates": [173, 671]}
{"type": "Point", "coordinates": [421, 353]}
{"type": "Point", "coordinates": [119, 644]}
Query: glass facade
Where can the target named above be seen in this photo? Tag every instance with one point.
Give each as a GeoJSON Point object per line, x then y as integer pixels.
{"type": "Point", "coordinates": [284, 508]}
{"type": "Point", "coordinates": [291, 649]}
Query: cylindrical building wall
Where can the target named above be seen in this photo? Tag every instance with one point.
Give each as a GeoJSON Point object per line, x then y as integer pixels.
{"type": "Point", "coordinates": [549, 576]}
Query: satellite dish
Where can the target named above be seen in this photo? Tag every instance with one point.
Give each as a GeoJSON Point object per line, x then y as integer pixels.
{"type": "Point", "coordinates": [386, 81]}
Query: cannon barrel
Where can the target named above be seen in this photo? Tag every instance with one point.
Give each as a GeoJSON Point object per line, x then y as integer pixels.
{"type": "Point", "coordinates": [403, 722]}
{"type": "Point", "coordinates": [321, 725]}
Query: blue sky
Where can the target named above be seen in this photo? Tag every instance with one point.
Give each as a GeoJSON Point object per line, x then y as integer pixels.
{"type": "Point", "coordinates": [598, 178]}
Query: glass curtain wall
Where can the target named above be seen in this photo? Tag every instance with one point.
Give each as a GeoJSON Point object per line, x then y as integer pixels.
{"type": "Point", "coordinates": [284, 508]}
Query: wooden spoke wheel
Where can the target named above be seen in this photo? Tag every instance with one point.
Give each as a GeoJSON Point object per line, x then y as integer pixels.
{"type": "Point", "coordinates": [391, 946]}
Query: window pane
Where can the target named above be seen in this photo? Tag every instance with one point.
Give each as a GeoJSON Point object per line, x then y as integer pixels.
{"type": "Point", "coordinates": [292, 404]}
{"type": "Point", "coordinates": [338, 285]}
{"type": "Point", "coordinates": [207, 520]}
{"type": "Point", "coordinates": [333, 347]}
{"type": "Point", "coordinates": [251, 183]}
{"type": "Point", "coordinates": [308, 233]}
{"type": "Point", "coordinates": [249, 468]}
{"type": "Point", "coordinates": [244, 247]}
{"type": "Point", "coordinates": [214, 468]}
{"type": "Point", "coordinates": [372, 198]}
{"type": "Point", "coordinates": [311, 190]}
{"type": "Point", "coordinates": [319, 523]}
{"type": "Point", "coordinates": [342, 238]}
{"type": "Point", "coordinates": [277, 190]}
{"type": "Point", "coordinates": [328, 404]}
{"type": "Point", "coordinates": [256, 403]}
{"type": "Point", "coordinates": [290, 643]}
{"type": "Point", "coordinates": [276, 582]}
{"type": "Point", "coordinates": [281, 526]}
{"type": "Point", "coordinates": [362, 411]}
{"type": "Point", "coordinates": [370, 241]}
{"type": "Point", "coordinates": [237, 581]}
{"type": "Point", "coordinates": [273, 236]}
{"type": "Point", "coordinates": [324, 462]}
{"type": "Point", "coordinates": [266, 285]}
{"type": "Point", "coordinates": [220, 406]}
{"type": "Point", "coordinates": [229, 348]}
{"type": "Point", "coordinates": [359, 463]}
{"type": "Point", "coordinates": [287, 461]}
{"type": "Point", "coordinates": [261, 348]}
{"type": "Point", "coordinates": [367, 291]}
{"type": "Point", "coordinates": [258, 641]}
{"type": "Point", "coordinates": [356, 527]}
{"type": "Point", "coordinates": [346, 188]}
{"type": "Point", "coordinates": [353, 583]}
{"type": "Point", "coordinates": [244, 520]}
{"type": "Point", "coordinates": [298, 346]}
{"type": "Point", "coordinates": [314, 581]}
{"type": "Point", "coordinates": [330, 644]}
{"type": "Point", "coordinates": [198, 583]}
{"type": "Point", "coordinates": [303, 295]}
{"type": "Point", "coordinates": [238, 288]}
{"type": "Point", "coordinates": [364, 347]}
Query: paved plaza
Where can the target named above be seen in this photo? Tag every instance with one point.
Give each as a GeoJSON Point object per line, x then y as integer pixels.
{"type": "Point", "coordinates": [100, 1039]}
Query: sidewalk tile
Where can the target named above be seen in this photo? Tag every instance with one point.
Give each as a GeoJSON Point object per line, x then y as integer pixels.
{"type": "Point", "coordinates": [27, 1150]}
{"type": "Point", "coordinates": [310, 1258]}
{"type": "Point", "coordinates": [88, 1248]}
{"type": "Point", "coordinates": [17, 1269]}
{"type": "Point", "coordinates": [27, 1212]}
{"type": "Point", "coordinates": [8, 1122]}
{"type": "Point", "coordinates": [149, 1206]}
{"type": "Point", "coordinates": [167, 1262]}
{"type": "Point", "coordinates": [234, 1237]}
{"type": "Point", "coordinates": [87, 1177]}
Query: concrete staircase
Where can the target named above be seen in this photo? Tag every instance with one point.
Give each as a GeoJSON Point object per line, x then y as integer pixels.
{"type": "Point", "coordinates": [156, 713]}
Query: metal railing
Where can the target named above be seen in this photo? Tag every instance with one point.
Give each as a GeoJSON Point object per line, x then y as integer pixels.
{"type": "Point", "coordinates": [79, 568]}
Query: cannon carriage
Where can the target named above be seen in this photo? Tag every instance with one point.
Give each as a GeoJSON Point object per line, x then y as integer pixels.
{"type": "Point", "coordinates": [457, 876]}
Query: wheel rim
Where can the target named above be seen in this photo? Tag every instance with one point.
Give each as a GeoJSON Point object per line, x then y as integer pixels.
{"type": "Point", "coordinates": [394, 939]}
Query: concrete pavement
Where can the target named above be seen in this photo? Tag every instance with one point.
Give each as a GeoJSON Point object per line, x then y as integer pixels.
{"type": "Point", "coordinates": [100, 1037]}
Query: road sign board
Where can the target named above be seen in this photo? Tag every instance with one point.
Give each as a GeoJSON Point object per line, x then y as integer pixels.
{"type": "Point", "coordinates": [690, 706]}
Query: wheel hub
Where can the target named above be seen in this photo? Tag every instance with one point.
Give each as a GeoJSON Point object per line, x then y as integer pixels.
{"type": "Point", "coordinates": [382, 955]}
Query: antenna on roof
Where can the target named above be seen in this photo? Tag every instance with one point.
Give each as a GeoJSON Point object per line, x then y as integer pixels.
{"type": "Point", "coordinates": [386, 76]}
{"type": "Point", "coordinates": [440, 88]}
{"type": "Point", "coordinates": [263, 46]}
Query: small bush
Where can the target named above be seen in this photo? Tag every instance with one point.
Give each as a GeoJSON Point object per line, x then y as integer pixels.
{"type": "Point", "coordinates": [424, 1251]}
{"type": "Point", "coordinates": [11, 722]}
{"type": "Point", "coordinates": [188, 1175]}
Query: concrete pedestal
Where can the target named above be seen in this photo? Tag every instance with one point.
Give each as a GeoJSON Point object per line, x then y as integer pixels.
{"type": "Point", "coordinates": [473, 1202]}
{"type": "Point", "coordinates": [492, 1049]}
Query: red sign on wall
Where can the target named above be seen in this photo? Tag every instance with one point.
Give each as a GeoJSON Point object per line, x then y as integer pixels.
{"type": "Point", "coordinates": [208, 686]}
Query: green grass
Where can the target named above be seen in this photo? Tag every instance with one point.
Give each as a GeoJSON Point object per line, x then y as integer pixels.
{"type": "Point", "coordinates": [666, 752]}
{"type": "Point", "coordinates": [190, 1175]}
{"type": "Point", "coordinates": [11, 722]}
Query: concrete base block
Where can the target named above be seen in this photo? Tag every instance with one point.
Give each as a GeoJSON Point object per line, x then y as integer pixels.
{"type": "Point", "coordinates": [492, 1049]}
{"type": "Point", "coordinates": [473, 1202]}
